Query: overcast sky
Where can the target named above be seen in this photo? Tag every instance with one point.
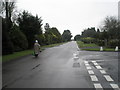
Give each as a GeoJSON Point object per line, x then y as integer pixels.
{"type": "Point", "coordinates": [75, 15]}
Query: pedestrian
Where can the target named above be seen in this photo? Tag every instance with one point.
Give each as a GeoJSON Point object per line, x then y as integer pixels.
{"type": "Point", "coordinates": [36, 48]}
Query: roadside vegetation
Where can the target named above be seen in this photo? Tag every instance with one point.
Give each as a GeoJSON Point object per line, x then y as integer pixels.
{"type": "Point", "coordinates": [108, 36]}
{"type": "Point", "coordinates": [16, 55]}
{"type": "Point", "coordinates": [21, 29]}
{"type": "Point", "coordinates": [92, 47]}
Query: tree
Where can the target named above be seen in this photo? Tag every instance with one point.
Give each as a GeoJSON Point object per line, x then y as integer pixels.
{"type": "Point", "coordinates": [56, 34]}
{"type": "Point", "coordinates": [8, 7]}
{"type": "Point", "coordinates": [111, 25]}
{"type": "Point", "coordinates": [7, 45]}
{"type": "Point", "coordinates": [30, 25]}
{"type": "Point", "coordinates": [77, 37]}
{"type": "Point", "coordinates": [47, 27]}
{"type": "Point", "coordinates": [18, 38]}
{"type": "Point", "coordinates": [111, 30]}
{"type": "Point", "coordinates": [90, 32]}
{"type": "Point", "coordinates": [47, 34]}
{"type": "Point", "coordinates": [66, 36]}
{"type": "Point", "coordinates": [52, 35]}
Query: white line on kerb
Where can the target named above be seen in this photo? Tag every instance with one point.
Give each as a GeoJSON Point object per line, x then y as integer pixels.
{"type": "Point", "coordinates": [103, 71]}
{"type": "Point", "coordinates": [115, 86]}
{"type": "Point", "coordinates": [108, 78]}
{"type": "Point", "coordinates": [90, 72]}
{"type": "Point", "coordinates": [97, 85]}
{"type": "Point", "coordinates": [93, 78]}
{"type": "Point", "coordinates": [98, 67]}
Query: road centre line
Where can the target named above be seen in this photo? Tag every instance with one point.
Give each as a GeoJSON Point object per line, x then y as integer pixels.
{"type": "Point", "coordinates": [108, 78]}
{"type": "Point", "coordinates": [93, 78]}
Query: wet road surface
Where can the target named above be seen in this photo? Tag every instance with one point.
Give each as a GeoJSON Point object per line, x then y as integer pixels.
{"type": "Point", "coordinates": [63, 66]}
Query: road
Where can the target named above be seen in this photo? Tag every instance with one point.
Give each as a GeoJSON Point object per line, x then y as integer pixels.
{"type": "Point", "coordinates": [63, 66]}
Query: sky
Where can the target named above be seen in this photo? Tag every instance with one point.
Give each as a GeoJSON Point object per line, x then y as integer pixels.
{"type": "Point", "coordinates": [74, 15]}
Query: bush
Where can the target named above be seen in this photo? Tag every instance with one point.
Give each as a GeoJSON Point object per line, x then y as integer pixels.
{"type": "Point", "coordinates": [18, 38]}
{"type": "Point", "coordinates": [113, 43]}
{"type": "Point", "coordinates": [88, 40]}
{"type": "Point", "coordinates": [100, 42]}
{"type": "Point", "coordinates": [40, 38]}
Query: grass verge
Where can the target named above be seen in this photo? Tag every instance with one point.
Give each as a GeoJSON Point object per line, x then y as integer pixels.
{"type": "Point", "coordinates": [98, 49]}
{"type": "Point", "coordinates": [92, 47]}
{"type": "Point", "coordinates": [83, 45]}
{"type": "Point", "coordinates": [17, 55]}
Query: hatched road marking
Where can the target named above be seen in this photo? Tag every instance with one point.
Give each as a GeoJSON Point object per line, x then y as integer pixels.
{"type": "Point", "coordinates": [93, 61]}
{"type": "Point", "coordinates": [108, 78]}
{"type": "Point", "coordinates": [93, 78]}
{"type": "Point", "coordinates": [87, 64]}
{"type": "Point", "coordinates": [90, 72]}
{"type": "Point", "coordinates": [103, 71]}
{"type": "Point", "coordinates": [98, 67]}
{"type": "Point", "coordinates": [97, 85]}
{"type": "Point", "coordinates": [115, 86]}
{"type": "Point", "coordinates": [88, 67]}
{"type": "Point", "coordinates": [96, 64]}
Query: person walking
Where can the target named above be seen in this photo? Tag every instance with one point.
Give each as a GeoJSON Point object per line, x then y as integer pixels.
{"type": "Point", "coordinates": [36, 48]}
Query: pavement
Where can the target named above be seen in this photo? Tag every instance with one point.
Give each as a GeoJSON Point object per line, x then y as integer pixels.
{"type": "Point", "coordinates": [64, 66]}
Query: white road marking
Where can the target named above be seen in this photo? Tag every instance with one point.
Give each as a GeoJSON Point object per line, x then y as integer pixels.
{"type": "Point", "coordinates": [97, 85]}
{"type": "Point", "coordinates": [93, 61]}
{"type": "Point", "coordinates": [115, 86]}
{"type": "Point", "coordinates": [93, 78]}
{"type": "Point", "coordinates": [74, 54]}
{"type": "Point", "coordinates": [90, 72]}
{"type": "Point", "coordinates": [76, 57]}
{"type": "Point", "coordinates": [98, 67]}
{"type": "Point", "coordinates": [88, 67]}
{"type": "Point", "coordinates": [103, 71]}
{"type": "Point", "coordinates": [96, 64]}
{"type": "Point", "coordinates": [86, 62]}
{"type": "Point", "coordinates": [108, 78]}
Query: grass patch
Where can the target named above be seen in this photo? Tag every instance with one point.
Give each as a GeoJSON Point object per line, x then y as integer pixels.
{"type": "Point", "coordinates": [17, 55]}
{"type": "Point", "coordinates": [83, 45]}
{"type": "Point", "coordinates": [91, 49]}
